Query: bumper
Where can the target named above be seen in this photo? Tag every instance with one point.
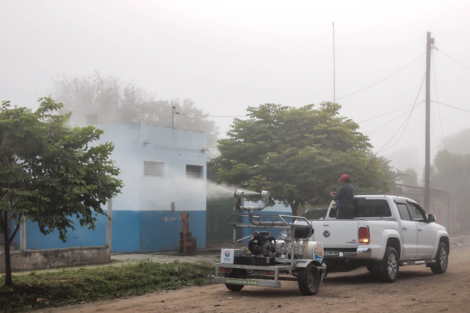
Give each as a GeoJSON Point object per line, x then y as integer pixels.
{"type": "Point", "coordinates": [359, 253]}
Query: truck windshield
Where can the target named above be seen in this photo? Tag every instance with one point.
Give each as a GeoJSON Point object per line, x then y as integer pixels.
{"type": "Point", "coordinates": [368, 208]}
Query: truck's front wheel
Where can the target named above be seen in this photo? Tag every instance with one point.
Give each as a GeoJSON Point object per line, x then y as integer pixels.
{"type": "Point", "coordinates": [442, 259]}
{"type": "Point", "coordinates": [390, 265]}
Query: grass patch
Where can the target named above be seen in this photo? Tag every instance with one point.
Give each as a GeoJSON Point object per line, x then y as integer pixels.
{"type": "Point", "coordinates": [39, 290]}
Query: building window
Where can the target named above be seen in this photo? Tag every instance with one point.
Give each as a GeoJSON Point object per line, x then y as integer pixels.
{"type": "Point", "coordinates": [153, 168]}
{"type": "Point", "coordinates": [194, 171]}
{"type": "Point", "coordinates": [91, 119]}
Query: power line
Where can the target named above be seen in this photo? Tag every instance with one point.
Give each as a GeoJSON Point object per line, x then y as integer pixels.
{"type": "Point", "coordinates": [191, 114]}
{"type": "Point", "coordinates": [451, 58]}
{"type": "Point", "coordinates": [383, 79]}
{"type": "Point", "coordinates": [373, 118]}
{"type": "Point", "coordinates": [450, 106]}
{"type": "Point", "coordinates": [437, 97]}
{"type": "Point", "coordinates": [393, 120]}
{"type": "Point", "coordinates": [405, 123]}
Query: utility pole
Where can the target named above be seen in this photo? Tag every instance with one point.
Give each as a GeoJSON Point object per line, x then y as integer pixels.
{"type": "Point", "coordinates": [427, 162]}
{"type": "Point", "coordinates": [334, 66]}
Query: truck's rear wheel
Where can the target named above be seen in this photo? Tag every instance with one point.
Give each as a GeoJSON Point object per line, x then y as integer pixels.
{"type": "Point", "coordinates": [390, 265]}
{"type": "Point", "coordinates": [235, 273]}
{"type": "Point", "coordinates": [309, 280]}
{"type": "Point", "coordinates": [442, 259]}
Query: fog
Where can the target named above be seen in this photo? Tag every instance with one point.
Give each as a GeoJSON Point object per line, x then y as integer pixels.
{"type": "Point", "coordinates": [223, 191]}
{"type": "Point", "coordinates": [226, 56]}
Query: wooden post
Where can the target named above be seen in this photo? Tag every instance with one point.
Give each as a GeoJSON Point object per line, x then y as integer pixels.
{"type": "Point", "coordinates": [109, 225]}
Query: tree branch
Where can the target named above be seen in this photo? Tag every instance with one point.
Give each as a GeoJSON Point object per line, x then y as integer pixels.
{"type": "Point", "coordinates": [14, 233]}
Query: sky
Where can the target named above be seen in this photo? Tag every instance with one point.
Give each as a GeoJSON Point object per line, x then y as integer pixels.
{"type": "Point", "coordinates": [228, 55]}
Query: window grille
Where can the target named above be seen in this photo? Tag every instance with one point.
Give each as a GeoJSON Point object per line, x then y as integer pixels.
{"type": "Point", "coordinates": [153, 168]}
{"type": "Point", "coordinates": [194, 171]}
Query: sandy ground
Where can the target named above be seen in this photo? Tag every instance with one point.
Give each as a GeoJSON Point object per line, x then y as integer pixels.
{"type": "Point", "coordinates": [415, 290]}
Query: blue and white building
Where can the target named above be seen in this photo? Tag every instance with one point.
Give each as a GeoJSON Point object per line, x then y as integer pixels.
{"type": "Point", "coordinates": [164, 173]}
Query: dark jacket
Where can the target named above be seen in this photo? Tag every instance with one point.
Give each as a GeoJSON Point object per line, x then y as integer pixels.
{"type": "Point", "coordinates": [345, 197]}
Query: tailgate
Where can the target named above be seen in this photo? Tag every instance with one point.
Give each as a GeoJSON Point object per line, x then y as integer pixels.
{"type": "Point", "coordinates": [336, 234]}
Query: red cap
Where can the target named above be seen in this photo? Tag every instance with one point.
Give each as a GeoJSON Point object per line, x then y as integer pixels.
{"type": "Point", "coordinates": [343, 177]}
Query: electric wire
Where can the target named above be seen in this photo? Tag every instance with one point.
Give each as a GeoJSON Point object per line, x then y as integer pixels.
{"type": "Point", "coordinates": [405, 123]}
{"type": "Point", "coordinates": [392, 120]}
{"type": "Point", "coordinates": [437, 98]}
{"type": "Point", "coordinates": [451, 58]}
{"type": "Point", "coordinates": [450, 106]}
{"type": "Point", "coordinates": [199, 115]}
{"type": "Point", "coordinates": [382, 79]}
{"type": "Point", "coordinates": [373, 118]}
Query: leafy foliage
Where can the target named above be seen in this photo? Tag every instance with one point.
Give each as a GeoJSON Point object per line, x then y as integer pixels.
{"type": "Point", "coordinates": [451, 172]}
{"type": "Point", "coordinates": [116, 102]}
{"type": "Point", "coordinates": [297, 154]}
{"type": "Point", "coordinates": [48, 171]}
{"type": "Point", "coordinates": [64, 287]}
{"type": "Point", "coordinates": [390, 175]}
{"type": "Point", "coordinates": [410, 177]}
{"type": "Point", "coordinates": [457, 143]}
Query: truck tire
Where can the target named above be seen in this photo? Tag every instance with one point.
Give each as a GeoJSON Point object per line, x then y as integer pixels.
{"type": "Point", "coordinates": [390, 265]}
{"type": "Point", "coordinates": [309, 280]}
{"type": "Point", "coordinates": [442, 259]}
{"type": "Point", "coordinates": [235, 273]}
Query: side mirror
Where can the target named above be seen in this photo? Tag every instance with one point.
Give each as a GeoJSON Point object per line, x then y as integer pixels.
{"type": "Point", "coordinates": [431, 218]}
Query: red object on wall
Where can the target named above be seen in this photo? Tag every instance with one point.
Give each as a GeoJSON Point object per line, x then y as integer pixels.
{"type": "Point", "coordinates": [187, 241]}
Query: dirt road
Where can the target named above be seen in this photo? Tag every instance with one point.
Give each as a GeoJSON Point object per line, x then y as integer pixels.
{"type": "Point", "coordinates": [415, 290]}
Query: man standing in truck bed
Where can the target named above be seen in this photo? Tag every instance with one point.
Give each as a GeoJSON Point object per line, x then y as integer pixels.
{"type": "Point", "coordinates": [344, 198]}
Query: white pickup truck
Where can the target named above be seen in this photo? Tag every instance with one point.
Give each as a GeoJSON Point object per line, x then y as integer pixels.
{"type": "Point", "coordinates": [386, 232]}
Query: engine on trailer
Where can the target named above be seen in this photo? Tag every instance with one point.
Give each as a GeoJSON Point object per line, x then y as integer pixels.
{"type": "Point", "coordinates": [296, 241]}
{"type": "Point", "coordinates": [262, 244]}
{"type": "Point", "coordinates": [301, 245]}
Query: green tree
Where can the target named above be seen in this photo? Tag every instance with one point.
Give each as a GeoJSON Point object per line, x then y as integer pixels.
{"type": "Point", "coordinates": [50, 173]}
{"type": "Point", "coordinates": [457, 143]}
{"type": "Point", "coordinates": [297, 154]}
{"type": "Point", "coordinates": [116, 102]}
{"type": "Point", "coordinates": [410, 177]}
{"type": "Point", "coordinates": [451, 172]}
{"type": "Point", "coordinates": [390, 176]}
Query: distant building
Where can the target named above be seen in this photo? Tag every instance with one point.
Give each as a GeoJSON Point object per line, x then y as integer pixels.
{"type": "Point", "coordinates": [164, 173]}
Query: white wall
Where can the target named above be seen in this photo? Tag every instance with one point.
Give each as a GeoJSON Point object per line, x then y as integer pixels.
{"type": "Point", "coordinates": [176, 148]}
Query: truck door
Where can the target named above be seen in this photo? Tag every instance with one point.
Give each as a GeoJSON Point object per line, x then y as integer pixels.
{"type": "Point", "coordinates": [409, 233]}
{"type": "Point", "coordinates": [426, 232]}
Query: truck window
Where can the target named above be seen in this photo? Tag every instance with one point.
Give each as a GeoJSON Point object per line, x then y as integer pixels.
{"type": "Point", "coordinates": [371, 208]}
{"type": "Point", "coordinates": [417, 214]}
{"type": "Point", "coordinates": [404, 214]}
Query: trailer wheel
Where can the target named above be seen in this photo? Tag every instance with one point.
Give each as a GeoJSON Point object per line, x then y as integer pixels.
{"type": "Point", "coordinates": [235, 273]}
{"type": "Point", "coordinates": [309, 280]}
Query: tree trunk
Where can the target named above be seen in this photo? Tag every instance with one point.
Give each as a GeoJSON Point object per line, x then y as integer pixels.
{"type": "Point", "coordinates": [294, 205]}
{"type": "Point", "coordinates": [8, 280]}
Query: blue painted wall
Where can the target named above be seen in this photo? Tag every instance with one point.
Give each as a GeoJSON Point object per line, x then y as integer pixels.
{"type": "Point", "coordinates": [160, 230]}
{"type": "Point", "coordinates": [80, 237]}
{"type": "Point", "coordinates": [142, 231]}
{"type": "Point", "coordinates": [126, 231]}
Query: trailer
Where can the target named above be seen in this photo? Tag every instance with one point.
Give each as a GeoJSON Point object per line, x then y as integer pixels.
{"type": "Point", "coordinates": [268, 261]}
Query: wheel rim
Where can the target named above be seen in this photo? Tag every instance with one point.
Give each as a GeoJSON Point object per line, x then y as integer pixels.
{"type": "Point", "coordinates": [392, 265]}
{"type": "Point", "coordinates": [311, 280]}
{"type": "Point", "coordinates": [443, 258]}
